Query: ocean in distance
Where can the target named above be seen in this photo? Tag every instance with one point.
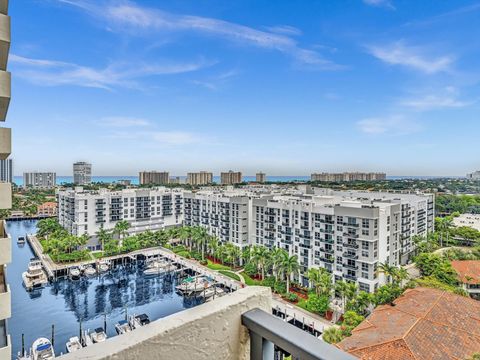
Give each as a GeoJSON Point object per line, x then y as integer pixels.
{"type": "Point", "coordinates": [134, 179]}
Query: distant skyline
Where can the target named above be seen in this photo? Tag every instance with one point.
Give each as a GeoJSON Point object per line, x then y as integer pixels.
{"type": "Point", "coordinates": [287, 88]}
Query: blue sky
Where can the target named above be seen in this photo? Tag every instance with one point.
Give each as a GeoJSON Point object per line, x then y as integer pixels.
{"type": "Point", "coordinates": [287, 87]}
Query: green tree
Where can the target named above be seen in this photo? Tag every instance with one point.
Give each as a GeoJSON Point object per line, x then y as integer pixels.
{"type": "Point", "coordinates": [388, 270]}
{"type": "Point", "coordinates": [289, 266]}
{"type": "Point", "coordinates": [121, 229]}
{"type": "Point", "coordinates": [333, 335]}
{"type": "Point", "coordinates": [260, 257]}
{"type": "Point", "coordinates": [103, 236]}
{"type": "Point", "coordinates": [318, 304]}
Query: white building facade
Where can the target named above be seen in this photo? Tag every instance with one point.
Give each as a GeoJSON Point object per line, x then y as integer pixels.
{"type": "Point", "coordinates": [82, 173]}
{"type": "Point", "coordinates": [39, 180]}
{"type": "Point", "coordinates": [86, 212]}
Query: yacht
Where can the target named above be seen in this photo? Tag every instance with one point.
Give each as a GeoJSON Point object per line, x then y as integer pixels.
{"type": "Point", "coordinates": [21, 240]}
{"type": "Point", "coordinates": [73, 344]}
{"type": "Point", "coordinates": [42, 349]}
{"type": "Point", "coordinates": [89, 270]}
{"type": "Point", "coordinates": [212, 293]}
{"type": "Point", "coordinates": [158, 267]}
{"type": "Point", "coordinates": [122, 327]}
{"type": "Point", "coordinates": [86, 340]}
{"type": "Point", "coordinates": [35, 276]}
{"type": "Point", "coordinates": [98, 335]}
{"type": "Point", "coordinates": [74, 273]}
{"type": "Point", "coordinates": [103, 266]}
{"type": "Point", "coordinates": [137, 321]}
{"type": "Point", "coordinates": [194, 284]}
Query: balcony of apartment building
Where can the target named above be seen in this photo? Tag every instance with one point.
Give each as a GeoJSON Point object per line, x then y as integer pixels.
{"type": "Point", "coordinates": [237, 326]}
{"type": "Point", "coordinates": [5, 295]}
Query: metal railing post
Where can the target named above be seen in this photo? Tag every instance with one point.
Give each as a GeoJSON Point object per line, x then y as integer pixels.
{"type": "Point", "coordinates": [260, 348]}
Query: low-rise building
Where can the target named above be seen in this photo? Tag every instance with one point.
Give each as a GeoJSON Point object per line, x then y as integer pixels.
{"type": "Point", "coordinates": [469, 276]}
{"type": "Point", "coordinates": [424, 323]}
{"type": "Point", "coordinates": [46, 209]}
{"type": "Point", "coordinates": [470, 220]}
{"type": "Point", "coordinates": [474, 176]}
{"type": "Point", "coordinates": [39, 180]}
{"type": "Point", "coordinates": [86, 212]}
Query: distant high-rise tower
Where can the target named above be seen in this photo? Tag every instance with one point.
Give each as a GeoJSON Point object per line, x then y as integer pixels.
{"type": "Point", "coordinates": [6, 170]}
{"type": "Point", "coordinates": [200, 178]}
{"type": "Point", "coordinates": [39, 180]}
{"type": "Point", "coordinates": [260, 177]}
{"type": "Point", "coordinates": [231, 177]}
{"type": "Point", "coordinates": [153, 177]}
{"type": "Point", "coordinates": [82, 173]}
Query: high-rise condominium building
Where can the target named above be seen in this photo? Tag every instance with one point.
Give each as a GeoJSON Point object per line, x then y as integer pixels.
{"type": "Point", "coordinates": [6, 170]}
{"type": "Point", "coordinates": [200, 178]}
{"type": "Point", "coordinates": [85, 212]}
{"type": "Point", "coordinates": [230, 177]}
{"type": "Point", "coordinates": [347, 233]}
{"type": "Point", "coordinates": [5, 187]}
{"type": "Point", "coordinates": [260, 177]}
{"type": "Point", "coordinates": [82, 173]}
{"type": "Point", "coordinates": [474, 176]}
{"type": "Point", "coordinates": [153, 177]}
{"type": "Point", "coordinates": [347, 176]}
{"type": "Point", "coordinates": [39, 180]}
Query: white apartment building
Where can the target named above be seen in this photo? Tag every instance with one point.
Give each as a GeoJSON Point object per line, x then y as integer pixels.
{"type": "Point", "coordinates": [5, 184]}
{"type": "Point", "coordinates": [6, 170]}
{"type": "Point", "coordinates": [153, 177]}
{"type": "Point", "coordinates": [230, 177]}
{"type": "Point", "coordinates": [86, 212]}
{"type": "Point", "coordinates": [82, 173]}
{"type": "Point", "coordinates": [347, 233]}
{"type": "Point", "coordinates": [39, 180]}
{"type": "Point", "coordinates": [347, 176]}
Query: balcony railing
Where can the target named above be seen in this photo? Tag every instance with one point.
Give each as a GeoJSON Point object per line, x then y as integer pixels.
{"type": "Point", "coordinates": [270, 336]}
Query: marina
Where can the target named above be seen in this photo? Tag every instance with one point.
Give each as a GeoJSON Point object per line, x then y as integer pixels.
{"type": "Point", "coordinates": [86, 303]}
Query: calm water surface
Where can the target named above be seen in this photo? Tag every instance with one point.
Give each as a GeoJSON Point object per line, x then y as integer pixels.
{"type": "Point", "coordinates": [66, 302]}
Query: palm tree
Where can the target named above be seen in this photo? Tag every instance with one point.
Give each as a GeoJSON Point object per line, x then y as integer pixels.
{"type": "Point", "coordinates": [289, 266]}
{"type": "Point", "coordinates": [341, 288]}
{"type": "Point", "coordinates": [325, 284]}
{"type": "Point", "coordinates": [201, 235]}
{"type": "Point", "coordinates": [276, 257]}
{"type": "Point", "coordinates": [185, 235]}
{"type": "Point", "coordinates": [388, 270]}
{"type": "Point", "coordinates": [235, 255]}
{"type": "Point", "coordinates": [443, 226]}
{"type": "Point", "coordinates": [260, 256]}
{"type": "Point", "coordinates": [246, 254]}
{"type": "Point", "coordinates": [350, 291]}
{"type": "Point", "coordinates": [400, 276]}
{"type": "Point", "coordinates": [104, 236]}
{"type": "Point", "coordinates": [314, 278]}
{"type": "Point", "coordinates": [212, 245]}
{"type": "Point", "coordinates": [121, 228]}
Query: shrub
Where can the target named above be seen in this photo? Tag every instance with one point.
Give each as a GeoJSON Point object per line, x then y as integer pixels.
{"type": "Point", "coordinates": [333, 335]}
{"type": "Point", "coordinates": [318, 304]}
{"type": "Point", "coordinates": [204, 262]}
{"type": "Point", "coordinates": [292, 297]}
{"type": "Point", "coordinates": [280, 287]}
{"type": "Point", "coordinates": [269, 281]}
{"type": "Point", "coordinates": [250, 269]}
{"type": "Point", "coordinates": [229, 274]}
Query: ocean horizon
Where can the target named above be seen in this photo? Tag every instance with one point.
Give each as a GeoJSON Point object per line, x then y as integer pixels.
{"type": "Point", "coordinates": [18, 180]}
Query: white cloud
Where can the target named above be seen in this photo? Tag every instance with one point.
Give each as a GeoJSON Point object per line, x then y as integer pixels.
{"type": "Point", "coordinates": [120, 122]}
{"type": "Point", "coordinates": [380, 3]}
{"type": "Point", "coordinates": [411, 56]}
{"type": "Point", "coordinates": [284, 29]}
{"type": "Point", "coordinates": [392, 125]}
{"type": "Point", "coordinates": [128, 16]}
{"type": "Point", "coordinates": [53, 73]}
{"type": "Point", "coordinates": [448, 98]}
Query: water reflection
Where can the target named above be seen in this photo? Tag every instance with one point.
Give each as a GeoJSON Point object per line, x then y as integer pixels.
{"type": "Point", "coordinates": [66, 302]}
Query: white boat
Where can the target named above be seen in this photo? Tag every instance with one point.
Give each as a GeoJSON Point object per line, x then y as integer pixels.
{"type": "Point", "coordinates": [98, 335]}
{"type": "Point", "coordinates": [89, 270]}
{"type": "Point", "coordinates": [157, 267]}
{"type": "Point", "coordinates": [137, 321]}
{"type": "Point", "coordinates": [122, 327]}
{"type": "Point", "coordinates": [21, 240]}
{"type": "Point", "coordinates": [35, 276]}
{"type": "Point", "coordinates": [73, 344]}
{"type": "Point", "coordinates": [42, 349]}
{"type": "Point", "coordinates": [74, 273]}
{"type": "Point", "coordinates": [103, 266]}
{"type": "Point", "coordinates": [213, 292]}
{"type": "Point", "coordinates": [86, 340]}
{"type": "Point", "coordinates": [194, 284]}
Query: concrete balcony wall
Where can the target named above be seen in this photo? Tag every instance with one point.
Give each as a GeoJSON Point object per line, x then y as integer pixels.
{"type": "Point", "coordinates": [5, 143]}
{"type": "Point", "coordinates": [5, 245]}
{"type": "Point", "coordinates": [4, 7]}
{"type": "Point", "coordinates": [5, 304]}
{"type": "Point", "coordinates": [5, 195]}
{"type": "Point", "coordinates": [5, 93]}
{"type": "Point", "coordinates": [4, 40]}
{"type": "Point", "coordinates": [209, 331]}
{"type": "Point", "coordinates": [6, 351]}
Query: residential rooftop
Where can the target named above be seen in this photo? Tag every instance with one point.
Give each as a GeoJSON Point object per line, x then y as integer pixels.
{"type": "Point", "coordinates": [468, 271]}
{"type": "Point", "coordinates": [423, 324]}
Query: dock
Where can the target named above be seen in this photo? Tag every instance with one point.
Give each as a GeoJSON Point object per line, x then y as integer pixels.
{"type": "Point", "coordinates": [187, 266]}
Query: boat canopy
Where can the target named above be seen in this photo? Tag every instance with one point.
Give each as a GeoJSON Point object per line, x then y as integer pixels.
{"type": "Point", "coordinates": [99, 330]}
{"type": "Point", "coordinates": [43, 347]}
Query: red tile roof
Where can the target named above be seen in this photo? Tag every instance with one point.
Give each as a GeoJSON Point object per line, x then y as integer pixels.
{"type": "Point", "coordinates": [468, 271]}
{"type": "Point", "coordinates": [424, 324]}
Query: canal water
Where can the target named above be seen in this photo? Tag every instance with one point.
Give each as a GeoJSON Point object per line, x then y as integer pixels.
{"type": "Point", "coordinates": [66, 302]}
